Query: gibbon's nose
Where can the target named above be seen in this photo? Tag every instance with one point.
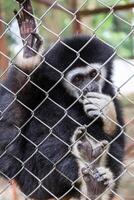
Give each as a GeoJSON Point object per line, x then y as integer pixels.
{"type": "Point", "coordinates": [91, 88]}
{"type": "Point", "coordinates": [95, 88]}
{"type": "Point", "coordinates": [85, 91]}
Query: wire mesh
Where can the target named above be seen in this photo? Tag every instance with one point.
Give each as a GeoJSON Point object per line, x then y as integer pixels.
{"type": "Point", "coordinates": [35, 145]}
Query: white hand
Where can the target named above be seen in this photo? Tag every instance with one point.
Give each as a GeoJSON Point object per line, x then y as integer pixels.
{"type": "Point", "coordinates": [98, 104]}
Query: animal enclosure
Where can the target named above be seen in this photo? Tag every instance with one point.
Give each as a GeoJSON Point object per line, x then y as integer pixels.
{"type": "Point", "coordinates": [89, 73]}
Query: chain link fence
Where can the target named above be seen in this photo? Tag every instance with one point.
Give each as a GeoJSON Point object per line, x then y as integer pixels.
{"type": "Point", "coordinates": [76, 24]}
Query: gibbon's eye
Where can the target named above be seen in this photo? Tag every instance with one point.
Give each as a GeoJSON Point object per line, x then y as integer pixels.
{"type": "Point", "coordinates": [78, 79]}
{"type": "Point", "coordinates": [93, 73]}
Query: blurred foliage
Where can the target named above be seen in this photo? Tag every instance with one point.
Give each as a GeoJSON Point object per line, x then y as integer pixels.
{"type": "Point", "coordinates": [7, 8]}
{"type": "Point", "coordinates": [113, 29]}
{"type": "Point", "coordinates": [127, 102]}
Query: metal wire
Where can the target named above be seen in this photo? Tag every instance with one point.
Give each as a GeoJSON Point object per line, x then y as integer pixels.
{"type": "Point", "coordinates": [65, 110]}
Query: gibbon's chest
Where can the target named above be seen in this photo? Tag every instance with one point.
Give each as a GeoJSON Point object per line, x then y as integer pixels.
{"type": "Point", "coordinates": [63, 122]}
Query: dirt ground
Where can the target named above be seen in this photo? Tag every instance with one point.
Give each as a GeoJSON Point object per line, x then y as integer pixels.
{"type": "Point", "coordinates": [126, 192]}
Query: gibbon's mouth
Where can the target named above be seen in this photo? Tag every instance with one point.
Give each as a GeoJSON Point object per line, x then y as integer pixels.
{"type": "Point", "coordinates": [89, 89]}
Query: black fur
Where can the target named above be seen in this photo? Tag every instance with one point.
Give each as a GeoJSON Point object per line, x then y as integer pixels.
{"type": "Point", "coordinates": [42, 164]}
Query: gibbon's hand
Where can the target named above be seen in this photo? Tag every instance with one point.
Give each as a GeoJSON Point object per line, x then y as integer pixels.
{"type": "Point", "coordinates": [87, 148]}
{"type": "Point", "coordinates": [97, 181]}
{"type": "Point", "coordinates": [96, 177]}
{"type": "Point", "coordinates": [98, 104]}
{"type": "Point", "coordinates": [33, 43]}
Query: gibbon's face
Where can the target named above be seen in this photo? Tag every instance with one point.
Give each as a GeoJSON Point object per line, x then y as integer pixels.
{"type": "Point", "coordinates": [82, 80]}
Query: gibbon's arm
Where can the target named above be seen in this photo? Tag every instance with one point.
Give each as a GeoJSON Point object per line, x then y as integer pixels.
{"type": "Point", "coordinates": [31, 40]}
{"type": "Point", "coordinates": [30, 56]}
{"type": "Point", "coordinates": [15, 91]}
